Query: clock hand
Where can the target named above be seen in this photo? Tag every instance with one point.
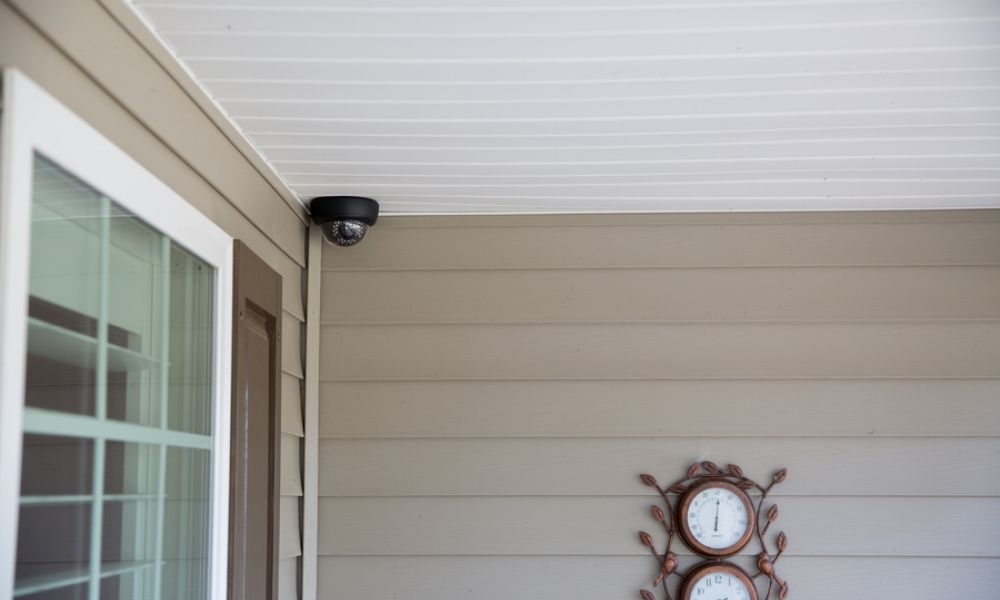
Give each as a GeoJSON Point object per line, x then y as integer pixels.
{"type": "Point", "coordinates": [716, 515]}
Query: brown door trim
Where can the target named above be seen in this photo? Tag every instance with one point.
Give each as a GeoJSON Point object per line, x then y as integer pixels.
{"type": "Point", "coordinates": [256, 428]}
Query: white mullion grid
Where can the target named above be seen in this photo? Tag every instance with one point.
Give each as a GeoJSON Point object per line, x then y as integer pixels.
{"type": "Point", "coordinates": [50, 422]}
{"type": "Point", "coordinates": [161, 475]}
{"type": "Point", "coordinates": [100, 403]}
{"type": "Point", "coordinates": [187, 420]}
{"type": "Point", "coordinates": [145, 515]}
{"type": "Point", "coordinates": [80, 498]}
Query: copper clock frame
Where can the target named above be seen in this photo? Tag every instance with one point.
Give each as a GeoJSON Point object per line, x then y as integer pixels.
{"type": "Point", "coordinates": [721, 567]}
{"type": "Point", "coordinates": [764, 516]}
{"type": "Point", "coordinates": [688, 536]}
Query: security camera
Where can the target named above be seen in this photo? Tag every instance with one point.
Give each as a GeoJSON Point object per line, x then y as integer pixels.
{"type": "Point", "coordinates": [344, 219]}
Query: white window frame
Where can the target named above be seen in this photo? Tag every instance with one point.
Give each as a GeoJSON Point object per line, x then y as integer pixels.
{"type": "Point", "coordinates": [34, 122]}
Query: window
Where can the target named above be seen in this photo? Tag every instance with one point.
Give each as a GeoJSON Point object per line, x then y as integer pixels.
{"type": "Point", "coordinates": [115, 370]}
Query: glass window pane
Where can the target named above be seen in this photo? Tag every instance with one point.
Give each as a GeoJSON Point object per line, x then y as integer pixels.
{"type": "Point", "coordinates": [192, 288]}
{"type": "Point", "coordinates": [66, 246]}
{"type": "Point", "coordinates": [65, 292]}
{"type": "Point", "coordinates": [54, 518]}
{"type": "Point", "coordinates": [133, 583]}
{"type": "Point", "coordinates": [131, 469]}
{"type": "Point", "coordinates": [185, 548]}
{"type": "Point", "coordinates": [120, 344]}
{"type": "Point", "coordinates": [137, 319]}
{"type": "Point", "coordinates": [128, 548]}
{"type": "Point", "coordinates": [129, 533]}
{"type": "Point", "coordinates": [76, 591]}
{"type": "Point", "coordinates": [131, 514]}
{"type": "Point", "coordinates": [56, 465]}
{"type": "Point", "coordinates": [53, 543]}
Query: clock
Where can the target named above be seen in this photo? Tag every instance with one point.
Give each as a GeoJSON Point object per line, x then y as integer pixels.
{"type": "Point", "coordinates": [718, 580]}
{"type": "Point", "coordinates": [715, 518]}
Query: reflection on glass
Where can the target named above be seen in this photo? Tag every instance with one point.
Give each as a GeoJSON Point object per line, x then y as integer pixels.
{"type": "Point", "coordinates": [53, 543]}
{"type": "Point", "coordinates": [56, 466]}
{"type": "Point", "coordinates": [137, 318]}
{"type": "Point", "coordinates": [120, 336]}
{"type": "Point", "coordinates": [65, 292]}
{"type": "Point", "coordinates": [128, 548]}
{"type": "Point", "coordinates": [78, 591]}
{"type": "Point", "coordinates": [186, 546]}
{"type": "Point", "coordinates": [131, 470]}
{"type": "Point", "coordinates": [130, 584]}
{"type": "Point", "coordinates": [131, 511]}
{"type": "Point", "coordinates": [191, 292]}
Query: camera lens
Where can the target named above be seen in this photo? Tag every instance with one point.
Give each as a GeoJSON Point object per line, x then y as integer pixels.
{"type": "Point", "coordinates": [344, 233]}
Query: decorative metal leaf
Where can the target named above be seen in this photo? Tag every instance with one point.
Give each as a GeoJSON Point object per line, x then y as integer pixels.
{"type": "Point", "coordinates": [780, 475]}
{"type": "Point", "coordinates": [648, 479]}
{"type": "Point", "coordinates": [772, 513]}
{"type": "Point", "coordinates": [670, 565]}
{"type": "Point", "coordinates": [646, 539]}
{"type": "Point", "coordinates": [764, 564]}
{"type": "Point", "coordinates": [784, 591]}
{"type": "Point", "coordinates": [677, 488]}
{"type": "Point", "coordinates": [693, 470]}
{"type": "Point", "coordinates": [782, 541]}
{"type": "Point", "coordinates": [710, 467]}
{"type": "Point", "coordinates": [646, 595]}
{"type": "Point", "coordinates": [735, 470]}
{"type": "Point", "coordinates": [657, 513]}
{"type": "Point", "coordinates": [745, 485]}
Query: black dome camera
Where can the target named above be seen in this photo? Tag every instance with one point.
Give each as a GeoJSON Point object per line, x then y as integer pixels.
{"type": "Point", "coordinates": [344, 219]}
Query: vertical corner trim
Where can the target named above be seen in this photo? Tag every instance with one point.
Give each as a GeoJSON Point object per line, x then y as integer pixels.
{"type": "Point", "coordinates": [310, 475]}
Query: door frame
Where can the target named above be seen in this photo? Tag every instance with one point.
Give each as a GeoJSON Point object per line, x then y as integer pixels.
{"type": "Point", "coordinates": [35, 122]}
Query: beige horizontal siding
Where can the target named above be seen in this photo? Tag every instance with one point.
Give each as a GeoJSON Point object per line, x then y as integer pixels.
{"type": "Point", "coordinates": [641, 351]}
{"type": "Point", "coordinates": [651, 241]}
{"type": "Point", "coordinates": [291, 294]}
{"type": "Point", "coordinates": [290, 472]}
{"type": "Point", "coordinates": [291, 405]}
{"type": "Point", "coordinates": [288, 578]}
{"type": "Point", "coordinates": [868, 465]}
{"type": "Point", "coordinates": [291, 469]}
{"type": "Point", "coordinates": [483, 409]}
{"type": "Point", "coordinates": [290, 541]}
{"type": "Point", "coordinates": [607, 526]}
{"type": "Point", "coordinates": [493, 387]}
{"type": "Point", "coordinates": [291, 345]}
{"type": "Point", "coordinates": [603, 577]}
{"type": "Point", "coordinates": [658, 295]}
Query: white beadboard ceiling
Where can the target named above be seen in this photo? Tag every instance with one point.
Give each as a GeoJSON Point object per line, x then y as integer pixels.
{"type": "Point", "coordinates": [496, 106]}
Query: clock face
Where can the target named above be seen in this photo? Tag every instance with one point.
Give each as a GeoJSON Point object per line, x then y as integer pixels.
{"type": "Point", "coordinates": [719, 586]}
{"type": "Point", "coordinates": [716, 517]}
{"type": "Point", "coordinates": [718, 581]}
